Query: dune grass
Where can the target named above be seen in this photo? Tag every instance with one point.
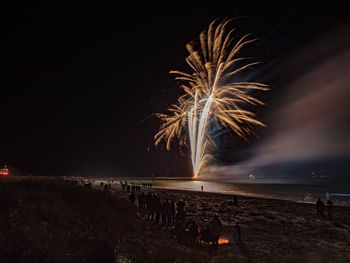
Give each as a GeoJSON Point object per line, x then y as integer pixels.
{"type": "Point", "coordinates": [50, 220]}
{"type": "Point", "coordinates": [47, 220]}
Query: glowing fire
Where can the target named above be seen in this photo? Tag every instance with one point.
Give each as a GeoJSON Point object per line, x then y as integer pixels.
{"type": "Point", "coordinates": [223, 241]}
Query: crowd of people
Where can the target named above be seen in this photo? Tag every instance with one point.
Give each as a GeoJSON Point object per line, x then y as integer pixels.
{"type": "Point", "coordinates": [168, 213]}
{"type": "Point", "coordinates": [321, 207]}
{"type": "Point", "coordinates": [130, 187]}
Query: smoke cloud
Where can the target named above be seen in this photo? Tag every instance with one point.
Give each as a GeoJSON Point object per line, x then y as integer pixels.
{"type": "Point", "coordinates": [310, 121]}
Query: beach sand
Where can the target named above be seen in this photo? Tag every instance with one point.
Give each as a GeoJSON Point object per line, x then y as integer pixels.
{"type": "Point", "coordinates": [272, 230]}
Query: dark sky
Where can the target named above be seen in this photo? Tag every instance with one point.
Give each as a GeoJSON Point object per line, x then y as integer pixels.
{"type": "Point", "coordinates": [88, 79]}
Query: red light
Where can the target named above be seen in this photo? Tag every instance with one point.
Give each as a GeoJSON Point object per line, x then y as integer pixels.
{"type": "Point", "coordinates": [4, 172]}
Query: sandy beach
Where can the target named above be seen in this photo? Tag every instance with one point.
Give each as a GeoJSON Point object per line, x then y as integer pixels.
{"type": "Point", "coordinates": [272, 230]}
{"type": "Point", "coordinates": [46, 219]}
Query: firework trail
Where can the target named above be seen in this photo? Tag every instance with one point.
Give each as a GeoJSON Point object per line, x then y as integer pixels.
{"type": "Point", "coordinates": [210, 94]}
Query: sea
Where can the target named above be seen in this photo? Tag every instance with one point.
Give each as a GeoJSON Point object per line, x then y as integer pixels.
{"type": "Point", "coordinates": [304, 191]}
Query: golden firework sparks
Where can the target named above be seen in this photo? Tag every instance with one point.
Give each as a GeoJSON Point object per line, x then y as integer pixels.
{"type": "Point", "coordinates": [211, 93]}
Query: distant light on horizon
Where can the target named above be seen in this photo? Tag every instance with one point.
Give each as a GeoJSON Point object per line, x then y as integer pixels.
{"type": "Point", "coordinates": [4, 171]}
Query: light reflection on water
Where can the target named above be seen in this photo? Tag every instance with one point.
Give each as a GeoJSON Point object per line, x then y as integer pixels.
{"type": "Point", "coordinates": [299, 192]}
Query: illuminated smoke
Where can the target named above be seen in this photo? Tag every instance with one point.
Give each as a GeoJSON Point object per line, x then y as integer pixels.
{"type": "Point", "coordinates": [310, 123]}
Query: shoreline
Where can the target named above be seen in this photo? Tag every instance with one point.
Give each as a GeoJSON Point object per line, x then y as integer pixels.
{"type": "Point", "coordinates": [227, 194]}
{"type": "Point", "coordinates": [245, 196]}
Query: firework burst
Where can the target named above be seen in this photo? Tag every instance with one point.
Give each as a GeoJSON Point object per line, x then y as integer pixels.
{"type": "Point", "coordinates": [211, 95]}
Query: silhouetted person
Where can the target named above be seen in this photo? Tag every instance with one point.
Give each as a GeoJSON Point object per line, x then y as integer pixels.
{"type": "Point", "coordinates": [141, 200]}
{"type": "Point", "coordinates": [205, 235]}
{"type": "Point", "coordinates": [216, 228]}
{"type": "Point", "coordinates": [180, 205]}
{"type": "Point", "coordinates": [330, 209]}
{"type": "Point", "coordinates": [193, 231]}
{"type": "Point", "coordinates": [132, 197]}
{"type": "Point", "coordinates": [151, 205]}
{"type": "Point", "coordinates": [179, 232]}
{"type": "Point", "coordinates": [157, 207]}
{"type": "Point", "coordinates": [152, 209]}
{"type": "Point", "coordinates": [180, 216]}
{"type": "Point", "coordinates": [202, 188]}
{"type": "Point", "coordinates": [164, 211]}
{"type": "Point", "coordinates": [235, 201]}
{"type": "Point", "coordinates": [320, 206]}
{"type": "Point", "coordinates": [236, 233]}
{"type": "Point", "coordinates": [171, 213]}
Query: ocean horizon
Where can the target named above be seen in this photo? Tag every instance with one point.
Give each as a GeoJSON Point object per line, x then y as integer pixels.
{"type": "Point", "coordinates": [304, 191]}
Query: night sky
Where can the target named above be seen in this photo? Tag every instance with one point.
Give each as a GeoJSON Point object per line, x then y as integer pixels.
{"type": "Point", "coordinates": [89, 78]}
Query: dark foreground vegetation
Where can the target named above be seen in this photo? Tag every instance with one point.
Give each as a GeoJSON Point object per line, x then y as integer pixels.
{"type": "Point", "coordinates": [49, 220]}
{"type": "Point", "coordinates": [46, 220]}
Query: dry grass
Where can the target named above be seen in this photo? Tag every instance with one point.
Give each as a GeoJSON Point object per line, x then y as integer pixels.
{"type": "Point", "coordinates": [49, 220]}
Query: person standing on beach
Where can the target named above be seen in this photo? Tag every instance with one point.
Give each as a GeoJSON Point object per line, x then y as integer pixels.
{"type": "Point", "coordinates": [150, 206]}
{"type": "Point", "coordinates": [180, 217]}
{"type": "Point", "coordinates": [330, 209]}
{"type": "Point", "coordinates": [320, 208]}
{"type": "Point", "coordinates": [194, 233]}
{"type": "Point", "coordinates": [132, 197]}
{"type": "Point", "coordinates": [235, 201]}
{"type": "Point", "coordinates": [202, 188]}
{"type": "Point", "coordinates": [171, 213]}
{"type": "Point", "coordinates": [164, 211]}
{"type": "Point", "coordinates": [158, 205]}
{"type": "Point", "coordinates": [216, 229]}
{"type": "Point", "coordinates": [237, 233]}
{"type": "Point", "coordinates": [141, 200]}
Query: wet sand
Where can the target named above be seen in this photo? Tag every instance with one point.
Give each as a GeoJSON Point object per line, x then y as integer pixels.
{"type": "Point", "coordinates": [272, 230]}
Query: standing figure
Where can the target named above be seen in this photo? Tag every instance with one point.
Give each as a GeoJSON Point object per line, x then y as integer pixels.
{"type": "Point", "coordinates": [235, 201]}
{"type": "Point", "coordinates": [171, 213]}
{"type": "Point", "coordinates": [216, 229]}
{"type": "Point", "coordinates": [330, 209]}
{"type": "Point", "coordinates": [132, 197]}
{"type": "Point", "coordinates": [157, 206]}
{"type": "Point", "coordinates": [180, 217]}
{"type": "Point", "coordinates": [236, 233]}
{"type": "Point", "coordinates": [320, 206]}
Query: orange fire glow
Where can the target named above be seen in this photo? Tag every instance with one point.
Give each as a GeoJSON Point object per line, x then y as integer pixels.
{"type": "Point", "coordinates": [223, 241]}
